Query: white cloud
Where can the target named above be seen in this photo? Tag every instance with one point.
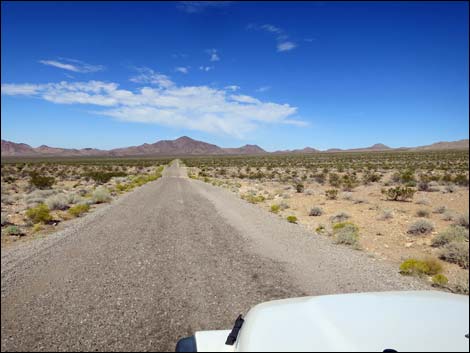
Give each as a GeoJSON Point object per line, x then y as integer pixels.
{"type": "Point", "coordinates": [285, 46]}
{"type": "Point", "coordinates": [263, 89]}
{"type": "Point", "coordinates": [200, 6]}
{"type": "Point", "coordinates": [213, 56]}
{"type": "Point", "coordinates": [233, 87]}
{"type": "Point", "coordinates": [147, 75]}
{"type": "Point", "coordinates": [205, 68]}
{"type": "Point", "coordinates": [182, 69]}
{"type": "Point", "coordinates": [282, 39]}
{"type": "Point", "coordinates": [199, 108]}
{"type": "Point", "coordinates": [72, 65]}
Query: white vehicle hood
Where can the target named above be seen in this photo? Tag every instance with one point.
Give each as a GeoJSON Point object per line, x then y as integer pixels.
{"type": "Point", "coordinates": [402, 321]}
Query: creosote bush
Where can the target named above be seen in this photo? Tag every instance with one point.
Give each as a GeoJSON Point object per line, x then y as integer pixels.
{"type": "Point", "coordinates": [39, 214]}
{"type": "Point", "coordinates": [41, 181]}
{"type": "Point", "coordinates": [398, 193]}
{"type": "Point", "coordinates": [331, 194]}
{"type": "Point", "coordinates": [275, 208]}
{"type": "Point", "coordinates": [421, 226]}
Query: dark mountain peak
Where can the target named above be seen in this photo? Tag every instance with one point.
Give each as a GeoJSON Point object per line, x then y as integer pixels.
{"type": "Point", "coordinates": [379, 146]}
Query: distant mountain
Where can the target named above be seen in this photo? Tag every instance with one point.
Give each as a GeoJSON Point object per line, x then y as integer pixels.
{"type": "Point", "coordinates": [12, 149]}
{"type": "Point", "coordinates": [186, 146]}
{"type": "Point", "coordinates": [247, 149]}
{"type": "Point", "coordinates": [303, 150]}
{"type": "Point", "coordinates": [181, 146]}
{"type": "Point", "coordinates": [444, 145]}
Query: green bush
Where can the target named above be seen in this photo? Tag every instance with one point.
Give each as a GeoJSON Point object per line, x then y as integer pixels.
{"type": "Point", "coordinates": [40, 181]}
{"type": "Point", "coordinates": [275, 208]}
{"type": "Point", "coordinates": [292, 219]}
{"type": "Point", "coordinates": [439, 280]}
{"type": "Point", "coordinates": [399, 193]}
{"type": "Point", "coordinates": [78, 210]}
{"type": "Point", "coordinates": [13, 230]}
{"type": "Point", "coordinates": [39, 214]}
{"type": "Point", "coordinates": [413, 267]}
{"type": "Point", "coordinates": [253, 198]}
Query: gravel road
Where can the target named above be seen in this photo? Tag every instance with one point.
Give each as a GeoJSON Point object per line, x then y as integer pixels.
{"type": "Point", "coordinates": [175, 256]}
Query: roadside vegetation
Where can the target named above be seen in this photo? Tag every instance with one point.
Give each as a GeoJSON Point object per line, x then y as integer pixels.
{"type": "Point", "coordinates": [393, 205]}
{"type": "Point", "coordinates": [39, 194]}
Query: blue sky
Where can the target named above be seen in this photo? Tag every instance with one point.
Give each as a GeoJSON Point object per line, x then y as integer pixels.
{"type": "Point", "coordinates": [281, 75]}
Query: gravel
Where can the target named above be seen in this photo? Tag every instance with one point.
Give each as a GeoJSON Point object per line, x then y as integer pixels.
{"type": "Point", "coordinates": [170, 258]}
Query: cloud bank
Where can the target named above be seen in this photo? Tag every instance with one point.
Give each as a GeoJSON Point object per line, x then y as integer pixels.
{"type": "Point", "coordinates": [162, 102]}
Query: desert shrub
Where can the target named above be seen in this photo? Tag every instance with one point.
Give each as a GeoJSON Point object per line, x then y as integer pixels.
{"type": "Point", "coordinates": [462, 220]}
{"type": "Point", "coordinates": [423, 186]}
{"type": "Point", "coordinates": [41, 181]}
{"type": "Point", "coordinates": [346, 233]}
{"type": "Point", "coordinates": [291, 219]}
{"type": "Point", "coordinates": [456, 252]}
{"type": "Point", "coordinates": [461, 285]}
{"type": "Point", "coordinates": [422, 213]}
{"type": "Point", "coordinates": [439, 280]}
{"type": "Point", "coordinates": [398, 193]}
{"type": "Point", "coordinates": [407, 177]}
{"type": "Point", "coordinates": [275, 208]}
{"type": "Point", "coordinates": [37, 227]}
{"type": "Point", "coordinates": [359, 200]}
{"type": "Point", "coordinates": [349, 182]}
{"type": "Point", "coordinates": [334, 180]}
{"type": "Point", "coordinates": [315, 211]}
{"type": "Point", "coordinates": [423, 201]}
{"type": "Point", "coordinates": [299, 187]}
{"type": "Point", "coordinates": [57, 202]}
{"type": "Point", "coordinates": [339, 217]}
{"type": "Point", "coordinates": [101, 195]}
{"type": "Point", "coordinates": [4, 219]}
{"type": "Point", "coordinates": [440, 209]}
{"type": "Point", "coordinates": [421, 226]}
{"type": "Point", "coordinates": [73, 198]}
{"type": "Point", "coordinates": [347, 196]}
{"type": "Point", "coordinates": [321, 229]}
{"type": "Point", "coordinates": [451, 233]}
{"type": "Point", "coordinates": [13, 230]}
{"type": "Point", "coordinates": [39, 214]}
{"type": "Point", "coordinates": [448, 216]}
{"type": "Point", "coordinates": [370, 177]}
{"type": "Point", "coordinates": [450, 189]}
{"type": "Point", "coordinates": [386, 214]}
{"type": "Point", "coordinates": [103, 177]}
{"type": "Point", "coordinates": [253, 198]}
{"type": "Point", "coordinates": [413, 267]}
{"type": "Point", "coordinates": [331, 194]}
{"type": "Point", "coordinates": [78, 210]}
{"type": "Point", "coordinates": [461, 179]}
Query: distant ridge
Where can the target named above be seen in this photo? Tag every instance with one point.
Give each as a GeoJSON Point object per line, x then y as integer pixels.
{"type": "Point", "coordinates": [186, 146]}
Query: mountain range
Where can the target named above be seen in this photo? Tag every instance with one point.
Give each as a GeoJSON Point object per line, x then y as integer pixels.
{"type": "Point", "coordinates": [186, 146]}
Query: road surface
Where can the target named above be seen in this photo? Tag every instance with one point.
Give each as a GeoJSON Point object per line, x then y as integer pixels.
{"type": "Point", "coordinates": [174, 256]}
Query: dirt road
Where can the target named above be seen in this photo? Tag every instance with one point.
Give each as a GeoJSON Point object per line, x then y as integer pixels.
{"type": "Point", "coordinates": [172, 257]}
